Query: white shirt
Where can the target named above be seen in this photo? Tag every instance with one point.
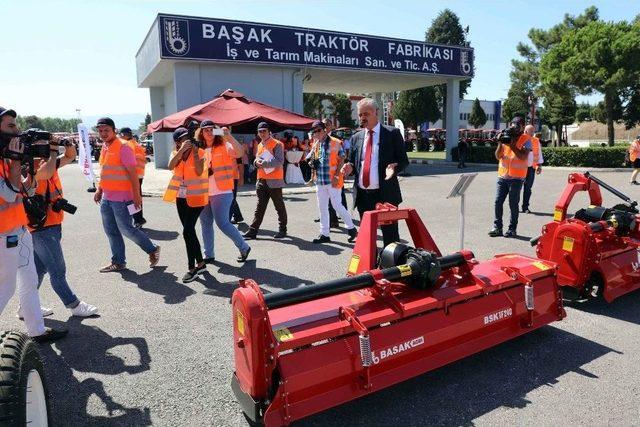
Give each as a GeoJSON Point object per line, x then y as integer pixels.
{"type": "Point", "coordinates": [530, 158]}
{"type": "Point", "coordinates": [374, 179]}
{"type": "Point", "coordinates": [213, 188]}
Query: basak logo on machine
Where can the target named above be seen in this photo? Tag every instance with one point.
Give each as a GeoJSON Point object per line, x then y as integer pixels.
{"type": "Point", "coordinates": [498, 315]}
{"type": "Point", "coordinates": [396, 349]}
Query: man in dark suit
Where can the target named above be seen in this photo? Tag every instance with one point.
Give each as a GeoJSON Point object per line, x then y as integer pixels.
{"type": "Point", "coordinates": [377, 156]}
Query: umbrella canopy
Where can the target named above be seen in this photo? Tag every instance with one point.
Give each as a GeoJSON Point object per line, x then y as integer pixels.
{"type": "Point", "coordinates": [232, 108]}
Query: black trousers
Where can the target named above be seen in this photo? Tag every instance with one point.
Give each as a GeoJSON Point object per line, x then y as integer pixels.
{"type": "Point", "coordinates": [137, 217]}
{"type": "Point", "coordinates": [265, 193]}
{"type": "Point", "coordinates": [367, 202]}
{"type": "Point", "coordinates": [188, 218]}
{"type": "Point", "coordinates": [234, 211]}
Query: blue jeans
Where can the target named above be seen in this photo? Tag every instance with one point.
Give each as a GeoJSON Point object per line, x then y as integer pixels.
{"type": "Point", "coordinates": [528, 183]}
{"type": "Point", "coordinates": [117, 222]}
{"type": "Point", "coordinates": [218, 211]}
{"type": "Point", "coordinates": [504, 188]}
{"type": "Point", "coordinates": [49, 259]}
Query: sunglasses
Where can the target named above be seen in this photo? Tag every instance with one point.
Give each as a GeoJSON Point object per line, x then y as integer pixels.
{"type": "Point", "coordinates": [317, 131]}
{"type": "Point", "coordinates": [263, 130]}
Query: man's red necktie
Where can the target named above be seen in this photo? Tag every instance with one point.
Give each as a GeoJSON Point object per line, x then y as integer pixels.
{"type": "Point", "coordinates": [366, 170]}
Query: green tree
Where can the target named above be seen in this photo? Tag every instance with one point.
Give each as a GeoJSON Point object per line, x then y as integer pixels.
{"type": "Point", "coordinates": [525, 79]}
{"type": "Point", "coordinates": [584, 111]}
{"type": "Point", "coordinates": [446, 29]}
{"type": "Point", "coordinates": [417, 106]}
{"type": "Point", "coordinates": [599, 57]}
{"type": "Point", "coordinates": [32, 122]}
{"type": "Point", "coordinates": [313, 103]}
{"type": "Point", "coordinates": [631, 113]}
{"type": "Point", "coordinates": [342, 109]}
{"type": "Point", "coordinates": [559, 109]}
{"type": "Point", "coordinates": [477, 117]}
{"type": "Point", "coordinates": [142, 128]}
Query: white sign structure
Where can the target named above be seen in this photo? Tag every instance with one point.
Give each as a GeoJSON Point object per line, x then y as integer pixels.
{"type": "Point", "coordinates": [84, 146]}
{"type": "Point", "coordinates": [458, 190]}
{"type": "Point", "coordinates": [398, 123]}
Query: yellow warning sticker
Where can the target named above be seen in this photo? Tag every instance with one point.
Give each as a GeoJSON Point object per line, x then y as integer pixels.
{"type": "Point", "coordinates": [567, 244]}
{"type": "Point", "coordinates": [557, 215]}
{"type": "Point", "coordinates": [353, 264]}
{"type": "Point", "coordinates": [541, 265]}
{"type": "Point", "coordinates": [240, 322]}
{"type": "Point", "coordinates": [405, 270]}
{"type": "Point", "coordinates": [283, 334]}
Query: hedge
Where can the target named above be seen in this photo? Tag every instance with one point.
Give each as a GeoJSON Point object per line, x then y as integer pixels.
{"type": "Point", "coordinates": [595, 157]}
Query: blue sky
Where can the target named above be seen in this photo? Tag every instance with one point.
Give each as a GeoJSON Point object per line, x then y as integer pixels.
{"type": "Point", "coordinates": [57, 56]}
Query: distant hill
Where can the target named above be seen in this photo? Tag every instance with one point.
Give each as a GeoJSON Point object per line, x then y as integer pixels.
{"type": "Point", "coordinates": [597, 132]}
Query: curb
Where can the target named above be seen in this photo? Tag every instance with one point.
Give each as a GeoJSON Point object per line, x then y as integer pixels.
{"type": "Point", "coordinates": [492, 165]}
{"type": "Point", "coordinates": [285, 191]}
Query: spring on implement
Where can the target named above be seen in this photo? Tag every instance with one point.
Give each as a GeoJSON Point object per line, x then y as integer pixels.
{"type": "Point", "coordinates": [365, 350]}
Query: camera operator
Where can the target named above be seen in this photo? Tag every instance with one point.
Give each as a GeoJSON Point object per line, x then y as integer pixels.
{"type": "Point", "coordinates": [16, 246]}
{"type": "Point", "coordinates": [47, 233]}
{"type": "Point", "coordinates": [512, 153]}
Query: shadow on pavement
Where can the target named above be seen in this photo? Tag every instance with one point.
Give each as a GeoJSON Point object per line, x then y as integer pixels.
{"type": "Point", "coordinates": [157, 281]}
{"type": "Point", "coordinates": [88, 349]}
{"type": "Point", "coordinates": [625, 308]}
{"type": "Point", "coordinates": [161, 234]}
{"type": "Point", "coordinates": [337, 239]}
{"type": "Point", "coordinates": [458, 394]}
{"type": "Point", "coordinates": [249, 270]}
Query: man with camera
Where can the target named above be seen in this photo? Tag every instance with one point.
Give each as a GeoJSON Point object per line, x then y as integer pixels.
{"type": "Point", "coordinates": [46, 229]}
{"type": "Point", "coordinates": [119, 197]}
{"type": "Point", "coordinates": [512, 152]}
{"type": "Point", "coordinates": [16, 245]}
{"type": "Point", "coordinates": [329, 180]}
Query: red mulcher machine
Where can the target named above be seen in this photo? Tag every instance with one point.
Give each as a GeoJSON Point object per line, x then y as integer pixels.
{"type": "Point", "coordinates": [596, 251]}
{"type": "Point", "coordinates": [396, 316]}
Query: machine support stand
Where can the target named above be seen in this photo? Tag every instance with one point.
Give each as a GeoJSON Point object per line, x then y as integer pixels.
{"type": "Point", "coordinates": [366, 357]}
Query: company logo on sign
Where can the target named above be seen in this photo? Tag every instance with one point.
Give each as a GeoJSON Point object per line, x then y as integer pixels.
{"type": "Point", "coordinates": [465, 66]}
{"type": "Point", "coordinates": [498, 315]}
{"type": "Point", "coordinates": [176, 36]}
{"type": "Point", "coordinates": [396, 349]}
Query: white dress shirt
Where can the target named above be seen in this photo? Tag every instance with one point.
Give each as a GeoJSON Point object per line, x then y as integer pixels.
{"type": "Point", "coordinates": [530, 158]}
{"type": "Point", "coordinates": [374, 178]}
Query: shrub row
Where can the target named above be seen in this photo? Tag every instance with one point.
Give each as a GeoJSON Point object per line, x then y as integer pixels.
{"type": "Point", "coordinates": [596, 157]}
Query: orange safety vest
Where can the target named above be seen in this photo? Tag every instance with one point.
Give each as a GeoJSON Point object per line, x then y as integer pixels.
{"type": "Point", "coordinates": [223, 166]}
{"type": "Point", "coordinates": [634, 150]}
{"type": "Point", "coordinates": [12, 214]}
{"type": "Point", "coordinates": [334, 148]}
{"type": "Point", "coordinates": [510, 165]}
{"type": "Point", "coordinates": [535, 145]}
{"type": "Point", "coordinates": [270, 145]}
{"type": "Point", "coordinates": [54, 186]}
{"type": "Point", "coordinates": [113, 176]}
{"type": "Point", "coordinates": [197, 186]}
{"type": "Point", "coordinates": [141, 158]}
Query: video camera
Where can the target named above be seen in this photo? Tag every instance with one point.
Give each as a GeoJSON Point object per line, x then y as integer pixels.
{"type": "Point", "coordinates": [192, 127]}
{"type": "Point", "coordinates": [28, 139]}
{"type": "Point", "coordinates": [510, 134]}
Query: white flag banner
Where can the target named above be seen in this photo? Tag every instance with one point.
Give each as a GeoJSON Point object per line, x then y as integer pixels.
{"type": "Point", "coordinates": [85, 153]}
{"type": "Point", "coordinates": [398, 123]}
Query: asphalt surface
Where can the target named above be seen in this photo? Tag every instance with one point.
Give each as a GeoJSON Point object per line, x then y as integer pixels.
{"type": "Point", "coordinates": [161, 352]}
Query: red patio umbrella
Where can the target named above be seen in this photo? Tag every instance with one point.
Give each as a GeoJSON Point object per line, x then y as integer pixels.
{"type": "Point", "coordinates": [232, 108]}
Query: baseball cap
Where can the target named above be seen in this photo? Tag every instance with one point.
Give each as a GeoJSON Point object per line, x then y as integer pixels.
{"type": "Point", "coordinates": [263, 125]}
{"type": "Point", "coordinates": [106, 121]}
{"type": "Point", "coordinates": [517, 121]}
{"type": "Point", "coordinates": [126, 131]}
{"type": "Point", "coordinates": [7, 112]}
{"type": "Point", "coordinates": [207, 124]}
{"type": "Point", "coordinates": [318, 124]}
{"type": "Point", "coordinates": [179, 133]}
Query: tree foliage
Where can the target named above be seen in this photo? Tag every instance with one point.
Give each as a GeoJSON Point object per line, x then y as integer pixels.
{"type": "Point", "coordinates": [446, 29]}
{"type": "Point", "coordinates": [599, 57]}
{"type": "Point", "coordinates": [477, 117]}
{"type": "Point", "coordinates": [50, 124]}
{"type": "Point", "coordinates": [559, 109]}
{"type": "Point", "coordinates": [313, 103]}
{"type": "Point", "coordinates": [342, 109]}
{"type": "Point", "coordinates": [584, 112]}
{"type": "Point", "coordinates": [417, 106]}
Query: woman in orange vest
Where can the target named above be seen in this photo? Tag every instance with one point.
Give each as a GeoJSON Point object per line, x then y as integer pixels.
{"type": "Point", "coordinates": [634, 156]}
{"type": "Point", "coordinates": [188, 188]}
{"type": "Point", "coordinates": [221, 152]}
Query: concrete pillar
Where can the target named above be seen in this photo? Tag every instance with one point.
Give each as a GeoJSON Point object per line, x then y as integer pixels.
{"type": "Point", "coordinates": [161, 140]}
{"type": "Point", "coordinates": [378, 98]}
{"type": "Point", "coordinates": [453, 115]}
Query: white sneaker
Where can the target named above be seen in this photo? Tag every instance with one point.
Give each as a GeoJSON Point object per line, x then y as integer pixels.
{"type": "Point", "coordinates": [45, 312]}
{"type": "Point", "coordinates": [84, 310]}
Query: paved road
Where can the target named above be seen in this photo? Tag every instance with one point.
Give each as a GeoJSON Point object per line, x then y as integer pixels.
{"type": "Point", "coordinates": [161, 351]}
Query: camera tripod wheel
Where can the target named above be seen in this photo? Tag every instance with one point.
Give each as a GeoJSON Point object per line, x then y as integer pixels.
{"type": "Point", "coordinates": [23, 390]}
